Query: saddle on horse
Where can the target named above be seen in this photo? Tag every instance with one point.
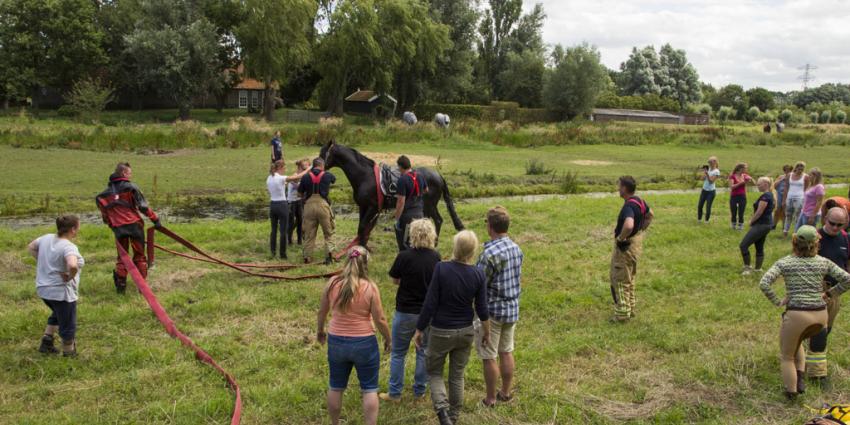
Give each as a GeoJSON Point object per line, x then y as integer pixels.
{"type": "Point", "coordinates": [389, 184]}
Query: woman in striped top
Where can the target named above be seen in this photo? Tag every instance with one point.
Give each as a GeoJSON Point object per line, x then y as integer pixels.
{"type": "Point", "coordinates": [805, 306]}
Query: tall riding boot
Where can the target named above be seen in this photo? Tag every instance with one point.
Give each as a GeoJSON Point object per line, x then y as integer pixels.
{"type": "Point", "coordinates": [47, 345]}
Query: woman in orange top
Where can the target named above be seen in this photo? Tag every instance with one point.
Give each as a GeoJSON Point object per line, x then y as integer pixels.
{"type": "Point", "coordinates": [356, 304]}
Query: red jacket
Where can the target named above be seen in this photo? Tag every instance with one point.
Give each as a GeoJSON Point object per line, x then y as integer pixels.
{"type": "Point", "coordinates": [122, 203]}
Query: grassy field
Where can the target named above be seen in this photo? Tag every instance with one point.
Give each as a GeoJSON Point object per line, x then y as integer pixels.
{"type": "Point", "coordinates": [52, 180]}
{"type": "Point", "coordinates": [703, 349]}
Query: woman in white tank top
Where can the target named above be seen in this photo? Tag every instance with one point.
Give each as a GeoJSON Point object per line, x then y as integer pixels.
{"type": "Point", "coordinates": [794, 198]}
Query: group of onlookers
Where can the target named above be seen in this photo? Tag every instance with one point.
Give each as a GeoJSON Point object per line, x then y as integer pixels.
{"type": "Point", "coordinates": [815, 274]}
{"type": "Point", "coordinates": [443, 307]}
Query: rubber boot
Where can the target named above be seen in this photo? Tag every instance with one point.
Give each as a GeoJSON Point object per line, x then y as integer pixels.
{"type": "Point", "coordinates": [801, 382]}
{"type": "Point", "coordinates": [443, 416]}
{"type": "Point", "coordinates": [329, 259]}
{"type": "Point", "coordinates": [47, 346]}
{"type": "Point", "coordinates": [69, 348]}
{"type": "Point", "coordinates": [120, 282]}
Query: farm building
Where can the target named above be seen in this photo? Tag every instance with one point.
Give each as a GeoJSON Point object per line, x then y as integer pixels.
{"type": "Point", "coordinates": [603, 115]}
{"type": "Point", "coordinates": [368, 102]}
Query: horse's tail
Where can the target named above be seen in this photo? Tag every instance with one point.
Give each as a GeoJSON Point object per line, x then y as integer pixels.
{"type": "Point", "coordinates": [450, 205]}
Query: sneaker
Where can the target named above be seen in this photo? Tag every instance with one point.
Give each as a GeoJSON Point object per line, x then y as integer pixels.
{"type": "Point", "coordinates": [47, 346]}
{"type": "Point", "coordinates": [443, 417]}
{"type": "Point", "coordinates": [387, 397]}
{"type": "Point", "coordinates": [734, 226]}
{"type": "Point", "coordinates": [619, 319]}
{"type": "Point", "coordinates": [747, 271]}
{"type": "Point", "coordinates": [69, 349]}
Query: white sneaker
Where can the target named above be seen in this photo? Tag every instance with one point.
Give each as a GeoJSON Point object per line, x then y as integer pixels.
{"type": "Point", "coordinates": [747, 271]}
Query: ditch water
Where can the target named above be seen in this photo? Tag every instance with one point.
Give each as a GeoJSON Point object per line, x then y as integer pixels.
{"type": "Point", "coordinates": [207, 210]}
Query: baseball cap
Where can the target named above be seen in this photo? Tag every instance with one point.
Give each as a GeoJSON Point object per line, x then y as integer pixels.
{"type": "Point", "coordinates": [807, 233]}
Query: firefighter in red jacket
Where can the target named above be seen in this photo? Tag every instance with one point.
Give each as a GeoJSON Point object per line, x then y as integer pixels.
{"type": "Point", "coordinates": [121, 207]}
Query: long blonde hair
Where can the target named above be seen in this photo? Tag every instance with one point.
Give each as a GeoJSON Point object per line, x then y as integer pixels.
{"type": "Point", "coordinates": [355, 270]}
{"type": "Point", "coordinates": [769, 181]}
{"type": "Point", "coordinates": [816, 176]}
{"type": "Point", "coordinates": [464, 246]}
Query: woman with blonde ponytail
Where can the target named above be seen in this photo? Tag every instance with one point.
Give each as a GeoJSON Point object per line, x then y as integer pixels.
{"type": "Point", "coordinates": [761, 224]}
{"type": "Point", "coordinates": [355, 303]}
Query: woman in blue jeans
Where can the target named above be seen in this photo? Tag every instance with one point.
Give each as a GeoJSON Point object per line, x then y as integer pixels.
{"type": "Point", "coordinates": [411, 271]}
{"type": "Point", "coordinates": [356, 305]}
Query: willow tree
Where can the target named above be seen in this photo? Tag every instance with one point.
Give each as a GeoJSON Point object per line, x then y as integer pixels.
{"type": "Point", "coordinates": [276, 39]}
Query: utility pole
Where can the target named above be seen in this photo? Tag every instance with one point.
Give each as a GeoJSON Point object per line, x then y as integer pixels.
{"type": "Point", "coordinates": [807, 75]}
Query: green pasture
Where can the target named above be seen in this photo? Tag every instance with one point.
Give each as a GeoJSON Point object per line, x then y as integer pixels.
{"type": "Point", "coordinates": [703, 348]}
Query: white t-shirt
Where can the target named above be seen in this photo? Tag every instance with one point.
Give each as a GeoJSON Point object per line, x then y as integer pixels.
{"type": "Point", "coordinates": [49, 284]}
{"type": "Point", "coordinates": [277, 187]}
{"type": "Point", "coordinates": [708, 184]}
{"type": "Point", "coordinates": [292, 188]}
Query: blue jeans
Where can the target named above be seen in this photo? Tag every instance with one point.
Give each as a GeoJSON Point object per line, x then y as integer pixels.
{"type": "Point", "coordinates": [404, 326]}
{"type": "Point", "coordinates": [804, 219]}
{"type": "Point", "coordinates": [360, 353]}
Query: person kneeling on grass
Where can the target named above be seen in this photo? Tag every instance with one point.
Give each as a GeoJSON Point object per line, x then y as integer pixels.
{"type": "Point", "coordinates": [805, 302]}
{"type": "Point", "coordinates": [356, 304]}
{"type": "Point", "coordinates": [501, 262]}
{"type": "Point", "coordinates": [411, 271]}
{"type": "Point", "coordinates": [458, 291]}
{"type": "Point", "coordinates": [57, 281]}
{"type": "Point", "coordinates": [761, 224]}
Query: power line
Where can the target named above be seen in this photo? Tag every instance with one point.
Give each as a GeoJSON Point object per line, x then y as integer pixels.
{"type": "Point", "coordinates": [807, 76]}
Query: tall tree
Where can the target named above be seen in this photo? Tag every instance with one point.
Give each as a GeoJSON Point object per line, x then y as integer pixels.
{"type": "Point", "coordinates": [505, 30]}
{"type": "Point", "coordinates": [733, 96]}
{"type": "Point", "coordinates": [761, 98]}
{"type": "Point", "coordinates": [174, 48]}
{"type": "Point", "coordinates": [681, 81]}
{"type": "Point", "coordinates": [639, 74]}
{"type": "Point", "coordinates": [577, 80]}
{"type": "Point", "coordinates": [453, 82]}
{"type": "Point", "coordinates": [521, 80]}
{"type": "Point", "coordinates": [47, 44]}
{"type": "Point", "coordinates": [422, 42]}
{"type": "Point", "coordinates": [275, 41]}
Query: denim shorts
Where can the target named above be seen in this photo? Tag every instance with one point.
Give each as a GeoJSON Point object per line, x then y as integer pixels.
{"type": "Point", "coordinates": [361, 353]}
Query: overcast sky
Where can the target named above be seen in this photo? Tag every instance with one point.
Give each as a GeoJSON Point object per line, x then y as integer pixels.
{"type": "Point", "coordinates": [752, 43]}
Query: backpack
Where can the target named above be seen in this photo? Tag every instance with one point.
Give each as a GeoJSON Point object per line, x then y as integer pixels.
{"type": "Point", "coordinates": [644, 222]}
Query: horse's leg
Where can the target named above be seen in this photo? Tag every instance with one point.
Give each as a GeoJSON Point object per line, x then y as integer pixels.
{"type": "Point", "coordinates": [368, 217]}
{"type": "Point", "coordinates": [433, 213]}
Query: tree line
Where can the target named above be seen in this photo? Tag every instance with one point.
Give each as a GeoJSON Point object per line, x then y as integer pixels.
{"type": "Point", "coordinates": [315, 52]}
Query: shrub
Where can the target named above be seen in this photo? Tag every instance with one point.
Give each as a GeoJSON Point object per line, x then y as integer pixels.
{"type": "Point", "coordinates": [813, 117]}
{"type": "Point", "coordinates": [89, 97]}
{"type": "Point", "coordinates": [569, 183]}
{"type": "Point", "coordinates": [840, 116]}
{"type": "Point", "coordinates": [725, 113]}
{"type": "Point", "coordinates": [753, 113]}
{"type": "Point", "coordinates": [825, 116]}
{"type": "Point", "coordinates": [786, 115]}
{"type": "Point", "coordinates": [536, 167]}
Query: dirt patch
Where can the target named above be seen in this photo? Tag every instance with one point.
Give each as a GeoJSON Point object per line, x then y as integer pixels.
{"type": "Point", "coordinates": [591, 163]}
{"type": "Point", "coordinates": [525, 238]}
{"type": "Point", "coordinates": [179, 278]}
{"type": "Point", "coordinates": [11, 263]}
{"type": "Point", "coordinates": [416, 160]}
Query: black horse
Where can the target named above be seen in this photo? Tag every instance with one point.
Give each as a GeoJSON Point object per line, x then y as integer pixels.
{"type": "Point", "coordinates": [360, 172]}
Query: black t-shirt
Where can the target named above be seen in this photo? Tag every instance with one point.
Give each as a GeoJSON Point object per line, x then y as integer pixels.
{"type": "Point", "coordinates": [767, 216]}
{"type": "Point", "coordinates": [324, 186]}
{"type": "Point", "coordinates": [414, 267]}
{"type": "Point", "coordinates": [835, 249]}
{"type": "Point", "coordinates": [631, 209]}
{"type": "Point", "coordinates": [405, 188]}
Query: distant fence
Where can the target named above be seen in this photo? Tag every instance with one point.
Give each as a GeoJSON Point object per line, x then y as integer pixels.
{"type": "Point", "coordinates": [495, 112]}
{"type": "Point", "coordinates": [303, 115]}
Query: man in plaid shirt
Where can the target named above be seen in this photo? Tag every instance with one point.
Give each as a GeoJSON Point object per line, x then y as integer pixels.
{"type": "Point", "coordinates": [501, 261]}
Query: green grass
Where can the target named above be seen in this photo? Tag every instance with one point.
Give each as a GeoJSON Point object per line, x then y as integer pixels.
{"type": "Point", "coordinates": [53, 180]}
{"type": "Point", "coordinates": [703, 348]}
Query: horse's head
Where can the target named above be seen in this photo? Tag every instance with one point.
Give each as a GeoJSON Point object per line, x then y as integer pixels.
{"type": "Point", "coordinates": [327, 153]}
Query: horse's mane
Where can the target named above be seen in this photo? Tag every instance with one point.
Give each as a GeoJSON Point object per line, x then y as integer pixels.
{"type": "Point", "coordinates": [363, 159]}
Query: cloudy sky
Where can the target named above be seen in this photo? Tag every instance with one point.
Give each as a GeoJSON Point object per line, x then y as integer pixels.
{"type": "Point", "coordinates": [752, 43]}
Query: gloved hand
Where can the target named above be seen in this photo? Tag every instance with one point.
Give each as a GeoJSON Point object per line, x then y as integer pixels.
{"type": "Point", "coordinates": [157, 224]}
{"type": "Point", "coordinates": [623, 246]}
